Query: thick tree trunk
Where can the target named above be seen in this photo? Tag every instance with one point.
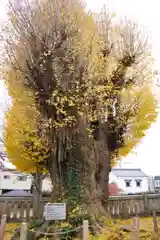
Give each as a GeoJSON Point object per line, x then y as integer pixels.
{"type": "Point", "coordinates": [53, 176]}
{"type": "Point", "coordinates": [104, 167]}
{"type": "Point", "coordinates": [96, 179]}
{"type": "Point", "coordinates": [93, 166]}
{"type": "Point", "coordinates": [105, 171]}
{"type": "Point", "coordinates": [54, 169]}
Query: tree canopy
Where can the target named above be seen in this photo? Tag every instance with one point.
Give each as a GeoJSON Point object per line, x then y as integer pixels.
{"type": "Point", "coordinates": [81, 96]}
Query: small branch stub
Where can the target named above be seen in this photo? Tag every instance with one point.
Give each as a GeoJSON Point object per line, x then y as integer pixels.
{"type": "Point", "coordinates": [136, 227]}
{"type": "Point", "coordinates": [155, 224]}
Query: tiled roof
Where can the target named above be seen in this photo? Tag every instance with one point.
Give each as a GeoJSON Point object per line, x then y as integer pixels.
{"type": "Point", "coordinates": [14, 171]}
{"type": "Point", "coordinates": [157, 178]}
{"type": "Point", "coordinates": [17, 193]}
{"type": "Point", "coordinates": [123, 172]}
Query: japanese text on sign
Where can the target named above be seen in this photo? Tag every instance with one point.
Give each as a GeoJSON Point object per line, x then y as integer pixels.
{"type": "Point", "coordinates": [55, 211]}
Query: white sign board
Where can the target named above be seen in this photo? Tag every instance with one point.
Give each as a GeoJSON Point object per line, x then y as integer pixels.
{"type": "Point", "coordinates": [55, 211]}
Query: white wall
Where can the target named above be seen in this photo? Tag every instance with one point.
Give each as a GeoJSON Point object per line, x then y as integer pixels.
{"type": "Point", "coordinates": [13, 182]}
{"type": "Point", "coordinates": [133, 188]}
{"type": "Point", "coordinates": [46, 185]}
{"type": "Point", "coordinates": [112, 178]}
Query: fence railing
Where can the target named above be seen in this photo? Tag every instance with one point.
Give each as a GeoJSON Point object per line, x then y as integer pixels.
{"type": "Point", "coordinates": [20, 208]}
{"type": "Point", "coordinates": [124, 206]}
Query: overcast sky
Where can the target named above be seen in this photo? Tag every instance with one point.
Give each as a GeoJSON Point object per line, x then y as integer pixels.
{"type": "Point", "coordinates": [146, 12]}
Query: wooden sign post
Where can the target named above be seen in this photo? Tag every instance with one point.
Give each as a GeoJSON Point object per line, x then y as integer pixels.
{"type": "Point", "coordinates": [155, 224]}
{"type": "Point", "coordinates": [136, 222]}
{"type": "Point", "coordinates": [23, 232]}
{"type": "Point", "coordinates": [85, 230]}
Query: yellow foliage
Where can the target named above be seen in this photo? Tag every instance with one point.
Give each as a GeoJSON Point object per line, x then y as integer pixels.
{"type": "Point", "coordinates": [144, 108]}
{"type": "Point", "coordinates": [23, 146]}
{"type": "Point", "coordinates": [91, 93]}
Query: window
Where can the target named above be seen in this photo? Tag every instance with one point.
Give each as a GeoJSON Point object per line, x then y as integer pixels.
{"type": "Point", "coordinates": [21, 178]}
{"type": "Point", "coordinates": [138, 183]}
{"type": "Point", "coordinates": [128, 183]}
{"type": "Point", "coordinates": [157, 183]}
{"type": "Point", "coordinates": [6, 177]}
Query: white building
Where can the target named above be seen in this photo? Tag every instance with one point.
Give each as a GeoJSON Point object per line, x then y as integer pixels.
{"type": "Point", "coordinates": [157, 183]}
{"type": "Point", "coordinates": [46, 185]}
{"type": "Point", "coordinates": [129, 180]}
{"type": "Point", "coordinates": [12, 179]}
